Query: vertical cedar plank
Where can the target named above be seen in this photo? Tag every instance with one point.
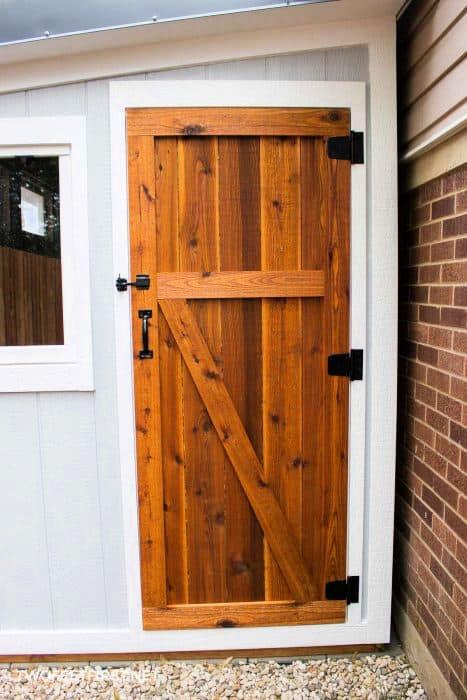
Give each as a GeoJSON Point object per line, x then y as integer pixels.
{"type": "Point", "coordinates": [325, 243]}
{"type": "Point", "coordinates": [204, 455]}
{"type": "Point", "coordinates": [282, 341]}
{"type": "Point", "coordinates": [141, 177]}
{"type": "Point", "coordinates": [239, 222]}
{"type": "Point", "coordinates": [170, 367]}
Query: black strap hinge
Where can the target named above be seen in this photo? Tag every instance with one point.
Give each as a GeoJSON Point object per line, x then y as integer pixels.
{"type": "Point", "coordinates": [347, 589]}
{"type": "Point", "coordinates": [347, 147]}
{"type": "Point", "coordinates": [349, 364]}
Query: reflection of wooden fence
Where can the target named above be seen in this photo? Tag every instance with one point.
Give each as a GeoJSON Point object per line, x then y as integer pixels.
{"type": "Point", "coordinates": [30, 299]}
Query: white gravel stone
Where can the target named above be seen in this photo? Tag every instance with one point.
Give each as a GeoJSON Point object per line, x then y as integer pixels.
{"type": "Point", "coordinates": [374, 677]}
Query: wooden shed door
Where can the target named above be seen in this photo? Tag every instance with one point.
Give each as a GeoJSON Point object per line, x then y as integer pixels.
{"type": "Point", "coordinates": [242, 222]}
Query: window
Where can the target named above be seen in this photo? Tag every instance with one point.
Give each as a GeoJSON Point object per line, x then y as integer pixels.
{"type": "Point", "coordinates": [45, 336]}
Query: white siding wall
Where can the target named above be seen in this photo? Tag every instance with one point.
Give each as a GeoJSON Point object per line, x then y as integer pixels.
{"type": "Point", "coordinates": [61, 547]}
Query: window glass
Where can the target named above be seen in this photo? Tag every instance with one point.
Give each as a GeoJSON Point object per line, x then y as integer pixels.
{"type": "Point", "coordinates": [30, 265]}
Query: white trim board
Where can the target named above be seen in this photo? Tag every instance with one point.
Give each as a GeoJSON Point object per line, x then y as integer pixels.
{"type": "Point", "coordinates": [68, 366]}
{"type": "Point", "coordinates": [223, 46]}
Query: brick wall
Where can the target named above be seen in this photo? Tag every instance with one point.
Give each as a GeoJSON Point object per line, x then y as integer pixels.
{"type": "Point", "coordinates": [431, 528]}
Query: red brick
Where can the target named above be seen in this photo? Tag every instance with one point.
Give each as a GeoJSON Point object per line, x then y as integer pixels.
{"type": "Point", "coordinates": [455, 180]}
{"type": "Point", "coordinates": [421, 214]}
{"type": "Point", "coordinates": [456, 524]}
{"type": "Point", "coordinates": [451, 362]}
{"type": "Point", "coordinates": [432, 501]}
{"type": "Point", "coordinates": [441, 251]}
{"type": "Point", "coordinates": [430, 190]}
{"type": "Point", "coordinates": [462, 507]}
{"type": "Point", "coordinates": [423, 432]}
{"type": "Point", "coordinates": [461, 201]}
{"type": "Point", "coordinates": [460, 342]}
{"type": "Point", "coordinates": [431, 273]}
{"type": "Point", "coordinates": [441, 575]}
{"type": "Point", "coordinates": [459, 434]}
{"type": "Point", "coordinates": [425, 394]}
{"type": "Point", "coordinates": [423, 511]}
{"type": "Point", "coordinates": [457, 478]}
{"type": "Point", "coordinates": [459, 388]}
{"type": "Point", "coordinates": [461, 553]}
{"type": "Point", "coordinates": [453, 316]}
{"type": "Point", "coordinates": [437, 421]}
{"type": "Point", "coordinates": [454, 569]}
{"type": "Point", "coordinates": [421, 254]}
{"type": "Point", "coordinates": [460, 297]}
{"type": "Point", "coordinates": [427, 355]}
{"type": "Point", "coordinates": [441, 295]}
{"type": "Point", "coordinates": [461, 248]}
{"type": "Point", "coordinates": [435, 461]}
{"type": "Point", "coordinates": [444, 491]}
{"type": "Point", "coordinates": [430, 540]}
{"type": "Point", "coordinates": [450, 407]}
{"type": "Point", "coordinates": [453, 272]}
{"type": "Point", "coordinates": [429, 314]}
{"type": "Point", "coordinates": [438, 379]}
{"type": "Point", "coordinates": [457, 226]}
{"type": "Point", "coordinates": [430, 232]}
{"type": "Point", "coordinates": [440, 337]}
{"type": "Point", "coordinates": [444, 533]}
{"type": "Point", "coordinates": [448, 449]}
{"type": "Point", "coordinates": [440, 208]}
{"type": "Point", "coordinates": [418, 294]}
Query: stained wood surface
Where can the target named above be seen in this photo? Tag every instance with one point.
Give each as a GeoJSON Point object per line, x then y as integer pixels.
{"type": "Point", "coordinates": [141, 179]}
{"type": "Point", "coordinates": [240, 285]}
{"type": "Point", "coordinates": [237, 121]}
{"type": "Point", "coordinates": [245, 614]}
{"type": "Point", "coordinates": [198, 654]}
{"type": "Point", "coordinates": [31, 310]}
{"type": "Point", "coordinates": [235, 441]}
{"type": "Point", "coordinates": [243, 456]}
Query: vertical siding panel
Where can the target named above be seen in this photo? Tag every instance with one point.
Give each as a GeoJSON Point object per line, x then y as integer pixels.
{"type": "Point", "coordinates": [104, 343]}
{"type": "Point", "coordinates": [25, 600]}
{"type": "Point", "coordinates": [349, 63]}
{"type": "Point", "coordinates": [63, 100]}
{"type": "Point", "coordinates": [71, 497]}
{"type": "Point", "coordinates": [13, 104]}
{"type": "Point", "coordinates": [299, 66]}
{"type": "Point", "coordinates": [253, 69]}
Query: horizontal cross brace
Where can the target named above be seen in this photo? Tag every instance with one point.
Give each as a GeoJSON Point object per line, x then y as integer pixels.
{"type": "Point", "coordinates": [248, 284]}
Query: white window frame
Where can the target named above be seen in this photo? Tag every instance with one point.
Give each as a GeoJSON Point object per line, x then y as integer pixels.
{"type": "Point", "coordinates": [66, 367]}
{"type": "Point", "coordinates": [365, 622]}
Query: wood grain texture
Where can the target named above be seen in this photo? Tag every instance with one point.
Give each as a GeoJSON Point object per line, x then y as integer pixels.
{"type": "Point", "coordinates": [239, 249]}
{"type": "Point", "coordinates": [162, 656]}
{"type": "Point", "coordinates": [204, 456]}
{"type": "Point", "coordinates": [282, 339]}
{"type": "Point", "coordinates": [30, 298]}
{"type": "Point", "coordinates": [325, 328]}
{"type": "Point", "coordinates": [141, 184]}
{"type": "Point", "coordinates": [171, 373]}
{"type": "Point", "coordinates": [235, 441]}
{"type": "Point", "coordinates": [240, 285]}
{"type": "Point", "coordinates": [237, 121]}
{"type": "Point", "coordinates": [251, 276]}
{"type": "Point", "coordinates": [245, 614]}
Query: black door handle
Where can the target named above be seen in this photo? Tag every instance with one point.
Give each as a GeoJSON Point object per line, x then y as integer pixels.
{"type": "Point", "coordinates": [145, 353]}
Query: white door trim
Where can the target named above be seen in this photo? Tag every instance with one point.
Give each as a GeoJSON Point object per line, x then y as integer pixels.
{"type": "Point", "coordinates": [237, 93]}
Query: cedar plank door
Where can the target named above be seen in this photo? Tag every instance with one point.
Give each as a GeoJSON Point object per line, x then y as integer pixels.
{"type": "Point", "coordinates": [242, 222]}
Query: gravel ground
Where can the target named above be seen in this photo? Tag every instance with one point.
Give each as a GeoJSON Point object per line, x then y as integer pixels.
{"type": "Point", "coordinates": [375, 677]}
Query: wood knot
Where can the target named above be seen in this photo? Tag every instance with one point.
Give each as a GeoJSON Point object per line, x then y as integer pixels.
{"type": "Point", "coordinates": [192, 129]}
{"type": "Point", "coordinates": [276, 204]}
{"type": "Point", "coordinates": [239, 566]}
{"type": "Point", "coordinates": [193, 243]}
{"type": "Point", "coordinates": [275, 418]}
{"type": "Point", "coordinates": [207, 426]}
{"type": "Point", "coordinates": [178, 459]}
{"type": "Point", "coordinates": [226, 623]}
{"type": "Point", "coordinates": [334, 116]}
{"type": "Point", "coordinates": [206, 273]}
{"type": "Point", "coordinates": [210, 374]}
{"type": "Point", "coordinates": [219, 518]}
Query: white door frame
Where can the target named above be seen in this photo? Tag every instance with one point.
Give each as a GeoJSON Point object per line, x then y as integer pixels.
{"type": "Point", "coordinates": [360, 494]}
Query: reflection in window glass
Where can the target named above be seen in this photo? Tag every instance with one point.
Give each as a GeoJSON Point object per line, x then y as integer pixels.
{"type": "Point", "coordinates": [30, 265]}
